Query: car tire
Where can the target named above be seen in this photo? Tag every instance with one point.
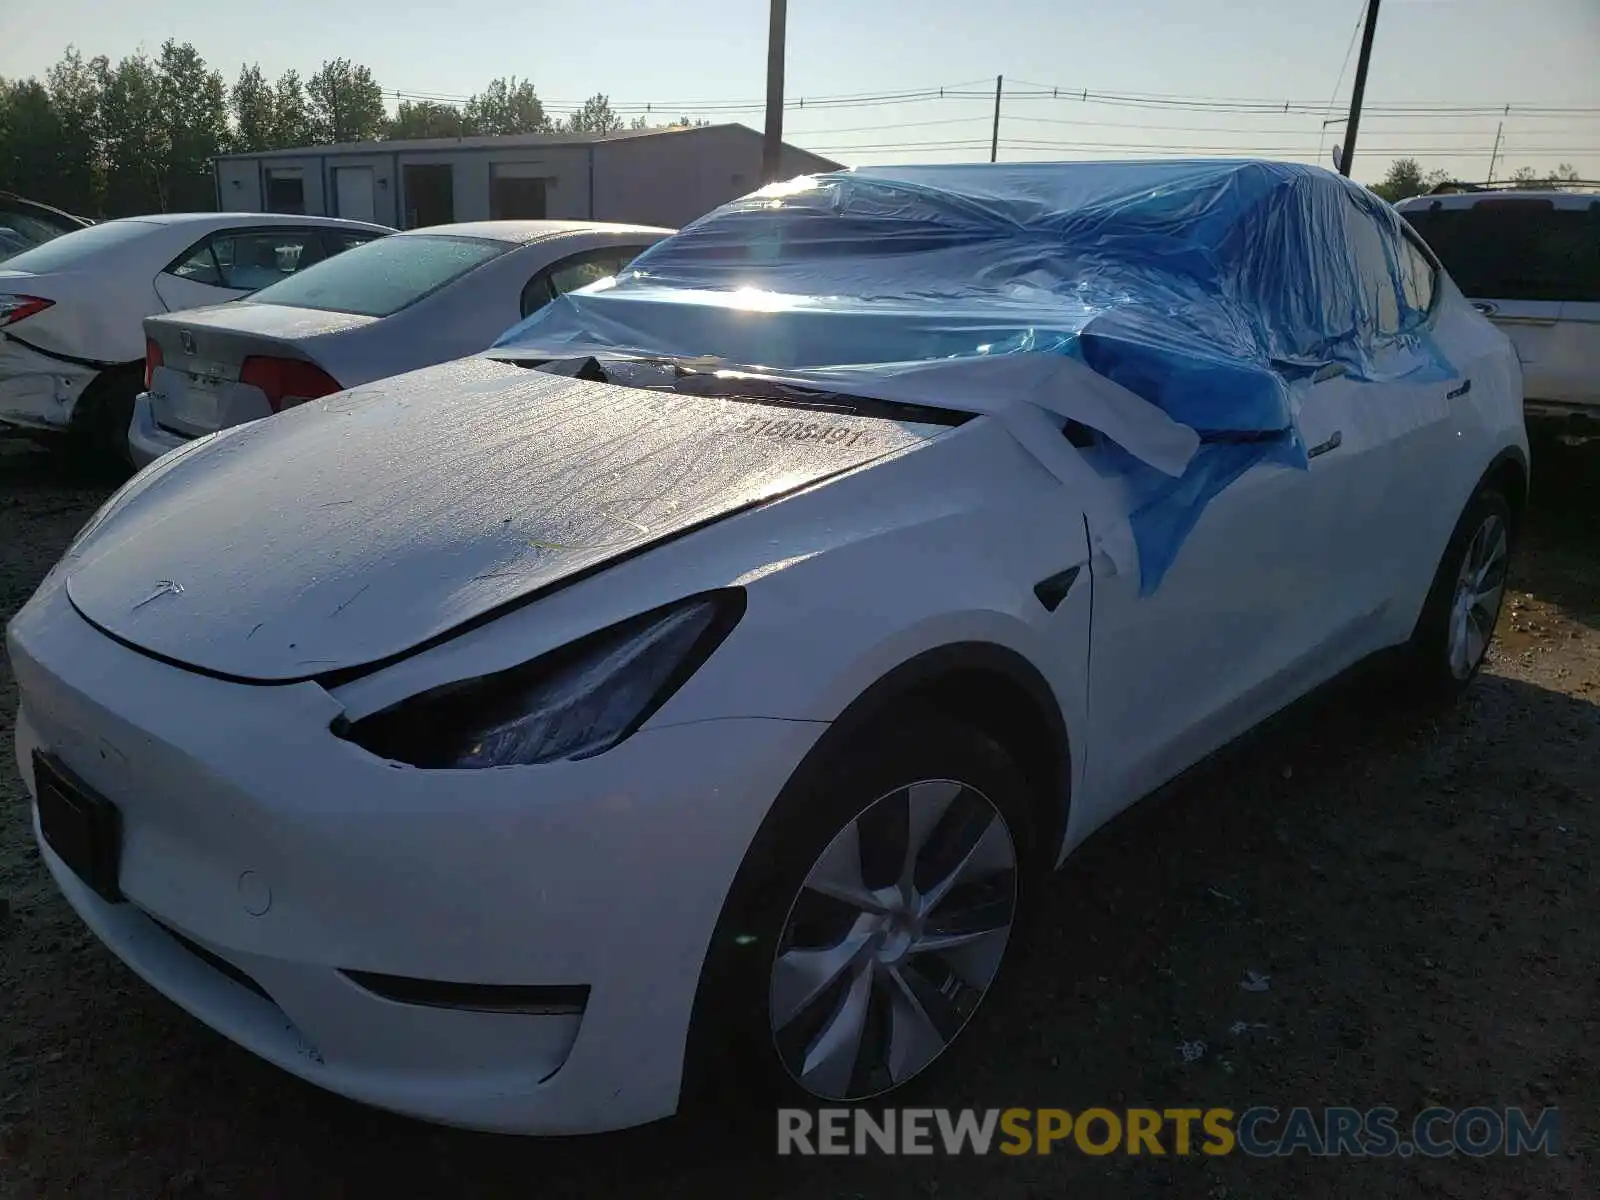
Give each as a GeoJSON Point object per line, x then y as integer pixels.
{"type": "Point", "coordinates": [1451, 640]}
{"type": "Point", "coordinates": [745, 1056]}
{"type": "Point", "coordinates": [101, 419]}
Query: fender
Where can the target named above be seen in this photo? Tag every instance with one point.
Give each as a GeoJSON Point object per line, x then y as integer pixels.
{"type": "Point", "coordinates": [922, 674]}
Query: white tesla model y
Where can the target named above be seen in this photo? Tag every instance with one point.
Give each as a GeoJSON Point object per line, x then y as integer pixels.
{"type": "Point", "coordinates": [698, 685]}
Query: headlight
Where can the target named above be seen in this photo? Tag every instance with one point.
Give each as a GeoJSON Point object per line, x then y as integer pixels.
{"type": "Point", "coordinates": [574, 702]}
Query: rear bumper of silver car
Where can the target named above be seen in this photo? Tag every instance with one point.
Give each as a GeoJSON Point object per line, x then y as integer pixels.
{"type": "Point", "coordinates": [148, 441]}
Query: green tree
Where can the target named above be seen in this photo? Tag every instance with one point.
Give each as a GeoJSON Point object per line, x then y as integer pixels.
{"type": "Point", "coordinates": [425, 119]}
{"type": "Point", "coordinates": [507, 105]}
{"type": "Point", "coordinates": [291, 113]}
{"type": "Point", "coordinates": [346, 103]}
{"type": "Point", "coordinates": [136, 142]}
{"type": "Point", "coordinates": [596, 116]}
{"type": "Point", "coordinates": [75, 88]}
{"type": "Point", "coordinates": [254, 113]}
{"type": "Point", "coordinates": [194, 112]}
{"type": "Point", "coordinates": [1528, 179]}
{"type": "Point", "coordinates": [680, 123]}
{"type": "Point", "coordinates": [28, 152]}
{"type": "Point", "coordinates": [1405, 178]}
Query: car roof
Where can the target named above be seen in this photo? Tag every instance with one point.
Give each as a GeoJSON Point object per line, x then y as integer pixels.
{"type": "Point", "coordinates": [523, 232]}
{"type": "Point", "coordinates": [1449, 201]}
{"type": "Point", "coordinates": [248, 218]}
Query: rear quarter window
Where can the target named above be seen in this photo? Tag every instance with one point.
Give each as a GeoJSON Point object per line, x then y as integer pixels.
{"type": "Point", "coordinates": [1516, 249]}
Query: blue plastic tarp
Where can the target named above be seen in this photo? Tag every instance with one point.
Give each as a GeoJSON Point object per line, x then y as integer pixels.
{"type": "Point", "coordinates": [1206, 289]}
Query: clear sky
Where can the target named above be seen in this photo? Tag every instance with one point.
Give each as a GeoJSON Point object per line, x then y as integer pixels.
{"type": "Point", "coordinates": [692, 58]}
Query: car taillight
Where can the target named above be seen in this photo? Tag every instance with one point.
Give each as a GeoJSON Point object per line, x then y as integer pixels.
{"type": "Point", "coordinates": [20, 308]}
{"type": "Point", "coordinates": [152, 360]}
{"type": "Point", "coordinates": [287, 381]}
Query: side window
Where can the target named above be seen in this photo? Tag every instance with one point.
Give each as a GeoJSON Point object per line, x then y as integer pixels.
{"type": "Point", "coordinates": [1377, 268]}
{"type": "Point", "coordinates": [251, 261]}
{"type": "Point", "coordinates": [198, 266]}
{"type": "Point", "coordinates": [569, 274]}
{"type": "Point", "coordinates": [337, 241]}
{"type": "Point", "coordinates": [1418, 275]}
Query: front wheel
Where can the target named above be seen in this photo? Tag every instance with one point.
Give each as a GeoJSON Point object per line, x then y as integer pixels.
{"type": "Point", "coordinates": [1452, 636]}
{"type": "Point", "coordinates": [870, 920]}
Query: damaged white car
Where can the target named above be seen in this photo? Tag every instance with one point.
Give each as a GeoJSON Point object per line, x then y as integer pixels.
{"type": "Point", "coordinates": [690, 695]}
{"type": "Point", "coordinates": [72, 309]}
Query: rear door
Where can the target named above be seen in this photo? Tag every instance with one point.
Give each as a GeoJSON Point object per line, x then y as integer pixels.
{"type": "Point", "coordinates": [1531, 264]}
{"type": "Point", "coordinates": [231, 263]}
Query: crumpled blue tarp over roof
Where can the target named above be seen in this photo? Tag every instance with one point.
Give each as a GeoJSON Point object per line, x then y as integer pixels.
{"type": "Point", "coordinates": [1208, 288]}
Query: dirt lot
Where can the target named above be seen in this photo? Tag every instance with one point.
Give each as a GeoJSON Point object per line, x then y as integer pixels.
{"type": "Point", "coordinates": [1419, 890]}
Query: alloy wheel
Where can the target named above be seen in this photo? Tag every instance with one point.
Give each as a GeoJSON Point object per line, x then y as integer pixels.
{"type": "Point", "coordinates": [1480, 587]}
{"type": "Point", "coordinates": [893, 940]}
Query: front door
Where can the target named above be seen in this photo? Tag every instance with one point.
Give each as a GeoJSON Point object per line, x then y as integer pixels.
{"type": "Point", "coordinates": [1239, 625]}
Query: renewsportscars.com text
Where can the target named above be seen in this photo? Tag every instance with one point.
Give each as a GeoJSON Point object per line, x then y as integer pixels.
{"type": "Point", "coordinates": [1259, 1132]}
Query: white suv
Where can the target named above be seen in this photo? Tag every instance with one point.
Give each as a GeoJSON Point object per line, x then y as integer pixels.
{"type": "Point", "coordinates": [1530, 262]}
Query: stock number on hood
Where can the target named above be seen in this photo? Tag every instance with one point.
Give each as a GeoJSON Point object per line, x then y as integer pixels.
{"type": "Point", "coordinates": [804, 431]}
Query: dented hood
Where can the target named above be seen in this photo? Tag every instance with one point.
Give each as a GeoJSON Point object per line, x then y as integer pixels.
{"type": "Point", "coordinates": [350, 530]}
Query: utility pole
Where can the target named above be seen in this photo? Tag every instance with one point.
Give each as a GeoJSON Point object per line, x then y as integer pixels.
{"type": "Point", "coordinates": [1494, 157]}
{"type": "Point", "coordinates": [994, 138]}
{"type": "Point", "coordinates": [772, 147]}
{"type": "Point", "coordinates": [333, 102]}
{"type": "Point", "coordinates": [1360, 90]}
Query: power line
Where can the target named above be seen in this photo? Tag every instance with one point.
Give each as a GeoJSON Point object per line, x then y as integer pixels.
{"type": "Point", "coordinates": [1068, 121]}
{"type": "Point", "coordinates": [1327, 114]}
{"type": "Point", "coordinates": [1220, 103]}
{"type": "Point", "coordinates": [1037, 92]}
{"type": "Point", "coordinates": [1167, 148]}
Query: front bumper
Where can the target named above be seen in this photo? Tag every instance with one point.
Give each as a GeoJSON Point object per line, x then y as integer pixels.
{"type": "Point", "coordinates": [293, 857]}
{"type": "Point", "coordinates": [148, 441]}
{"type": "Point", "coordinates": [38, 392]}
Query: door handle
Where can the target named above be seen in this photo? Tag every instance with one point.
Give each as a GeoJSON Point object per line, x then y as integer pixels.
{"type": "Point", "coordinates": [1485, 307]}
{"type": "Point", "coordinates": [1332, 443]}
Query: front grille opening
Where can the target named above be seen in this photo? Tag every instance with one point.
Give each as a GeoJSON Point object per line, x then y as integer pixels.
{"type": "Point", "coordinates": [545, 1001]}
{"type": "Point", "coordinates": [216, 963]}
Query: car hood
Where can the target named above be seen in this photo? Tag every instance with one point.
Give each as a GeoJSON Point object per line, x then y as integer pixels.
{"type": "Point", "coordinates": [350, 530]}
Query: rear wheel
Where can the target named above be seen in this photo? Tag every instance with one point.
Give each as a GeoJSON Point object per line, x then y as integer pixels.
{"type": "Point", "coordinates": [100, 421]}
{"type": "Point", "coordinates": [1452, 636]}
{"type": "Point", "coordinates": [869, 921]}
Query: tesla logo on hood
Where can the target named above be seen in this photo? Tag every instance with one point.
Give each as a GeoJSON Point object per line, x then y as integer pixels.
{"type": "Point", "coordinates": [187, 339]}
{"type": "Point", "coordinates": [164, 587]}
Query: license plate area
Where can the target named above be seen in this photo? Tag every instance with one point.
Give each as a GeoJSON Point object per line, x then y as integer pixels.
{"type": "Point", "coordinates": [198, 402]}
{"type": "Point", "coordinates": [83, 828]}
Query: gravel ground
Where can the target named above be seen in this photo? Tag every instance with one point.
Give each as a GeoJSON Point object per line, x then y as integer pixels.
{"type": "Point", "coordinates": [1418, 889]}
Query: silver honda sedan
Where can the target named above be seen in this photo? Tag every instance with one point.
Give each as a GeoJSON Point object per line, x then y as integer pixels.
{"type": "Point", "coordinates": [392, 305]}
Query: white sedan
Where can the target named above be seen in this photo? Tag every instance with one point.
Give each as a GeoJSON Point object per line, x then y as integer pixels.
{"type": "Point", "coordinates": [687, 696]}
{"type": "Point", "coordinates": [71, 342]}
{"type": "Point", "coordinates": [420, 297]}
